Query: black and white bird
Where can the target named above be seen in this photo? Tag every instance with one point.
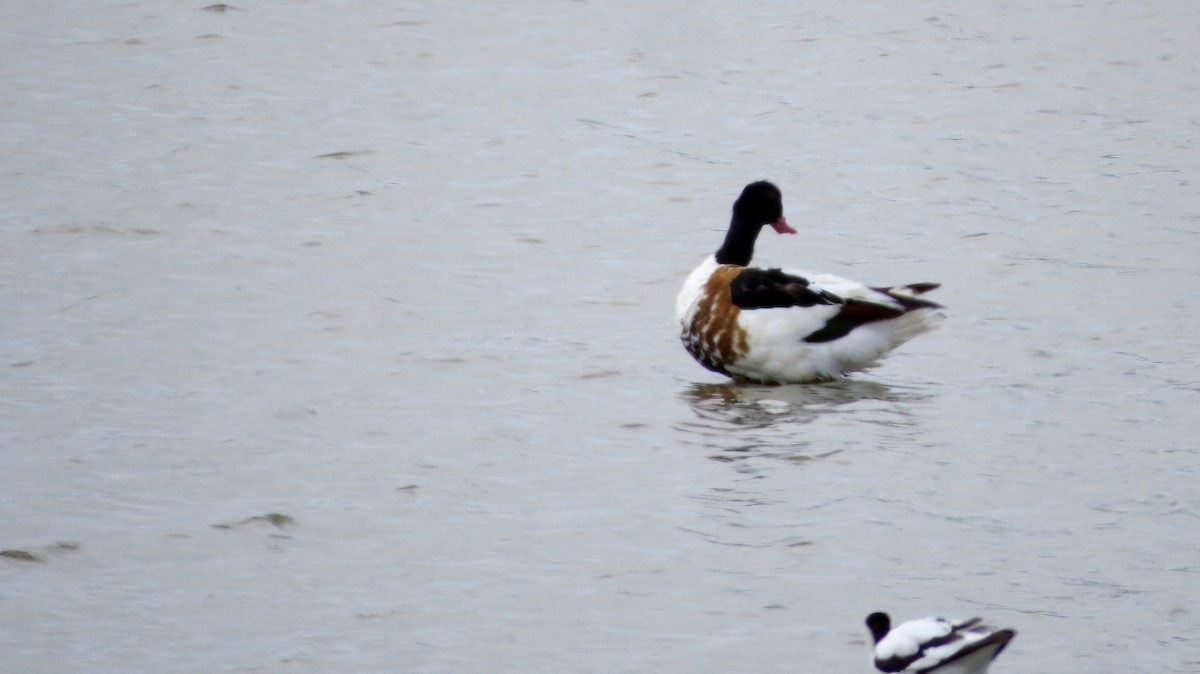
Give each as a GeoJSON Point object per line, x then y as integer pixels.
{"type": "Point", "coordinates": [784, 326]}
{"type": "Point", "coordinates": [938, 645]}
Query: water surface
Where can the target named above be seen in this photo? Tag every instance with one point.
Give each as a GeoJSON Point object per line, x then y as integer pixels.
{"type": "Point", "coordinates": [338, 335]}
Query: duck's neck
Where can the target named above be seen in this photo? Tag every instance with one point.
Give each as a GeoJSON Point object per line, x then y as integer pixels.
{"type": "Point", "coordinates": [739, 243]}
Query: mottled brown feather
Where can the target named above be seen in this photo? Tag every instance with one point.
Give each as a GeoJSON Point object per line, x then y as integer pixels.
{"type": "Point", "coordinates": [715, 338]}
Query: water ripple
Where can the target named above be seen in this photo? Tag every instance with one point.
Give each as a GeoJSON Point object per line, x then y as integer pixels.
{"type": "Point", "coordinates": [740, 421]}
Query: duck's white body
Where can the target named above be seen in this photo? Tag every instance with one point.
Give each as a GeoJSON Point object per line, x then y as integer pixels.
{"type": "Point", "coordinates": [940, 645]}
{"type": "Point", "coordinates": [775, 349]}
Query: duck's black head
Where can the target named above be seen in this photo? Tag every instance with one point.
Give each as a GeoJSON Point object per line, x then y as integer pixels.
{"type": "Point", "coordinates": [879, 624]}
{"type": "Point", "coordinates": [760, 203]}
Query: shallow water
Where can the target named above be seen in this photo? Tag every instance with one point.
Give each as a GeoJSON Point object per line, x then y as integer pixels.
{"type": "Point", "coordinates": [339, 336]}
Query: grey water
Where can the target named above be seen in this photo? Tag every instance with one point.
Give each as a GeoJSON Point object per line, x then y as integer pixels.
{"type": "Point", "coordinates": [338, 336]}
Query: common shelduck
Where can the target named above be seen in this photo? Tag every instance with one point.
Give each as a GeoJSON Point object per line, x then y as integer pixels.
{"type": "Point", "coordinates": [935, 645]}
{"type": "Point", "coordinates": [781, 326]}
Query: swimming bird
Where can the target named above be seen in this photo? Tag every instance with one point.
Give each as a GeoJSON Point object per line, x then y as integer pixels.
{"type": "Point", "coordinates": [935, 645]}
{"type": "Point", "coordinates": [781, 326]}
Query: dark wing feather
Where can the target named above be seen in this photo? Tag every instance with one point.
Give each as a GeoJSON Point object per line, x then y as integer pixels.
{"type": "Point", "coordinates": [905, 295]}
{"type": "Point", "coordinates": [853, 314]}
{"type": "Point", "coordinates": [773, 289]}
{"type": "Point", "coordinates": [998, 638]}
{"type": "Point", "coordinates": [857, 312]}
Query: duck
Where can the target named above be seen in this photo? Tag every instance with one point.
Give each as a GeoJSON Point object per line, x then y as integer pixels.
{"type": "Point", "coordinates": [776, 326]}
{"type": "Point", "coordinates": [940, 645]}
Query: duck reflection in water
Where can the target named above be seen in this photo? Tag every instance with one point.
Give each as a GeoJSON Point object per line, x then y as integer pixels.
{"type": "Point", "coordinates": [742, 421]}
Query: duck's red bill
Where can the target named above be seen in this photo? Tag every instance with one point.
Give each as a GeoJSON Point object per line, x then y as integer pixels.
{"type": "Point", "coordinates": [782, 226]}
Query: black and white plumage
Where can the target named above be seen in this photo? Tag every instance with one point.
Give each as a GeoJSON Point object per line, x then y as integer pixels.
{"type": "Point", "coordinates": [938, 645]}
{"type": "Point", "coordinates": [784, 326]}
